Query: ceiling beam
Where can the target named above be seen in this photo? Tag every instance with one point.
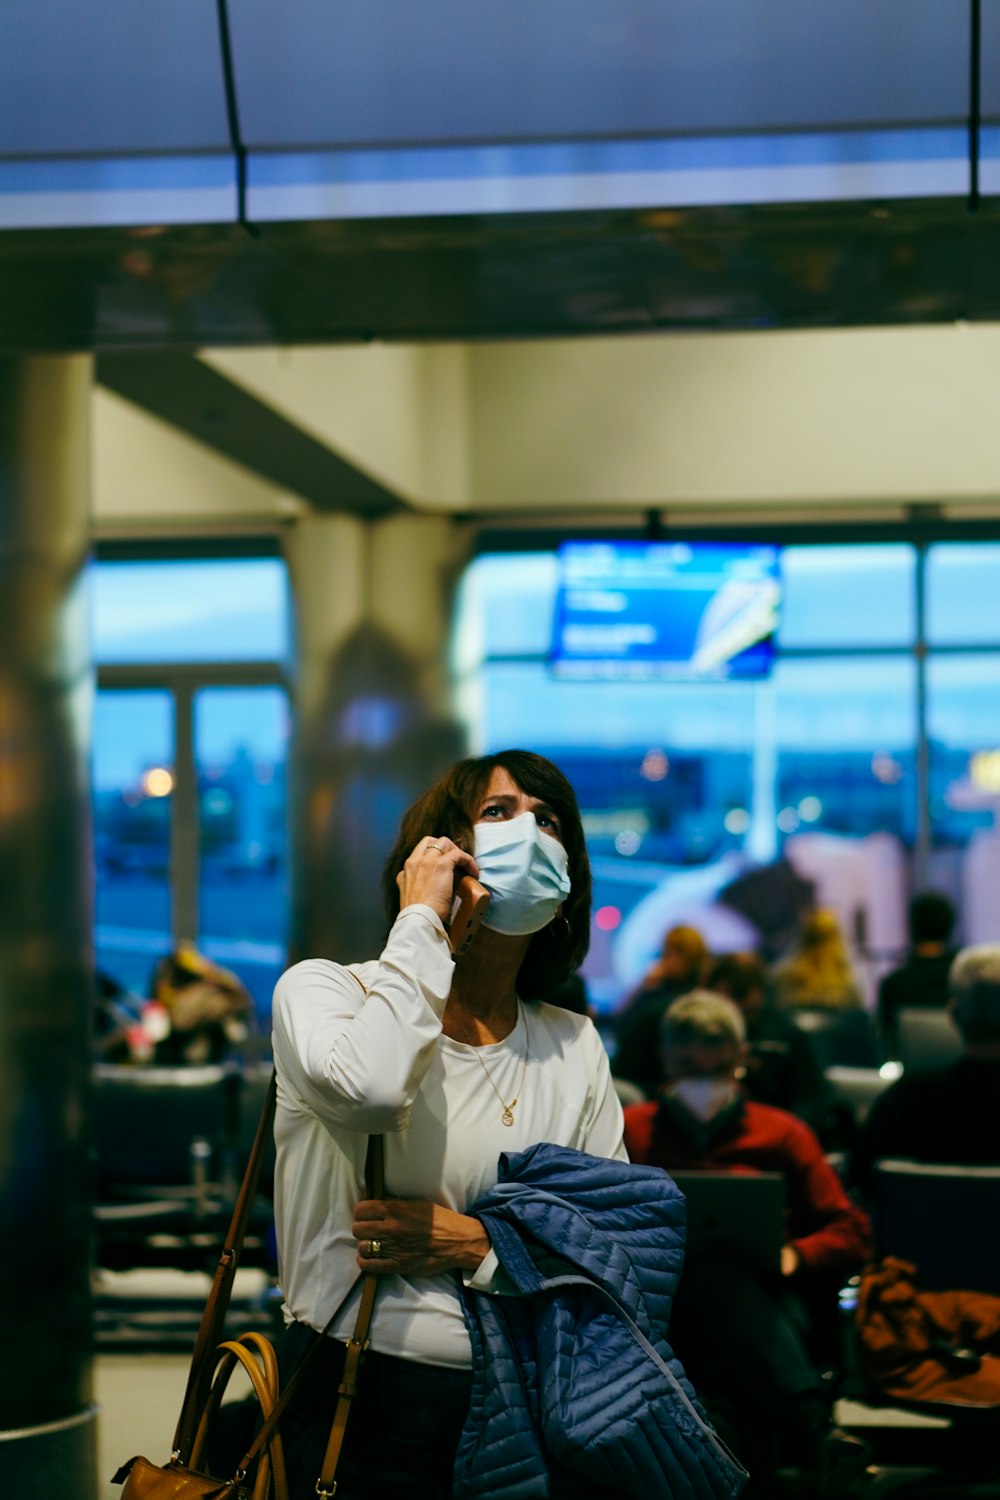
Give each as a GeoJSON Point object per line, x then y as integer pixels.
{"type": "Point", "coordinates": [183, 391]}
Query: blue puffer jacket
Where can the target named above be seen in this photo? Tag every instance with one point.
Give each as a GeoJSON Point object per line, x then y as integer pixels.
{"type": "Point", "coordinates": [574, 1382]}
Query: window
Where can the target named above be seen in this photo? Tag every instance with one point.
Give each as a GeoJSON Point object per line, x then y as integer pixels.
{"type": "Point", "coordinates": [241, 741]}
{"type": "Point", "coordinates": [190, 736]}
{"type": "Point", "coordinates": [233, 609]}
{"type": "Point", "coordinates": [888, 752]}
{"type": "Point", "coordinates": [860, 595]}
{"type": "Point", "coordinates": [963, 581]}
{"type": "Point", "coordinates": [133, 784]}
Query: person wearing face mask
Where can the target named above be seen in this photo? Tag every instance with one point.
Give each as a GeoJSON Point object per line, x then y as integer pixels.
{"type": "Point", "coordinates": [455, 1060]}
{"type": "Point", "coordinates": [740, 1332]}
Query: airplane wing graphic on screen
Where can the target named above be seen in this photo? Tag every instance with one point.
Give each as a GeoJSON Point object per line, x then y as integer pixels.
{"type": "Point", "coordinates": [742, 612]}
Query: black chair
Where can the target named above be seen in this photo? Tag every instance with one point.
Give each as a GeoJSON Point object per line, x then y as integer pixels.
{"type": "Point", "coordinates": [945, 1219]}
{"type": "Point", "coordinates": [161, 1143]}
{"type": "Point", "coordinates": [840, 1038]}
{"type": "Point", "coordinates": [926, 1038]}
{"type": "Point", "coordinates": [857, 1088]}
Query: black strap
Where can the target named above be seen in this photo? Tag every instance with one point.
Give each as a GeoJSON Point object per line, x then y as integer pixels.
{"type": "Point", "coordinates": [214, 1316]}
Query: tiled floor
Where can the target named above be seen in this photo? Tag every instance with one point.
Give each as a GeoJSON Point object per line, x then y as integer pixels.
{"type": "Point", "coordinates": [139, 1396]}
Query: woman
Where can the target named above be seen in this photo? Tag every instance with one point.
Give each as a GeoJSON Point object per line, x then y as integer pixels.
{"type": "Point", "coordinates": [819, 974]}
{"type": "Point", "coordinates": [456, 1062]}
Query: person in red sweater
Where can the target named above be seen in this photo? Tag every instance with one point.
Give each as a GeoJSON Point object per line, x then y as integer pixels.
{"type": "Point", "coordinates": [742, 1334]}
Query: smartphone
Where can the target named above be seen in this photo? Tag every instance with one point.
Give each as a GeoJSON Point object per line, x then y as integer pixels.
{"type": "Point", "coordinates": [471, 901]}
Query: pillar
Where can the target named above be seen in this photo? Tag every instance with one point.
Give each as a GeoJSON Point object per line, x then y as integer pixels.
{"type": "Point", "coordinates": [373, 709]}
{"type": "Point", "coordinates": [47, 1419]}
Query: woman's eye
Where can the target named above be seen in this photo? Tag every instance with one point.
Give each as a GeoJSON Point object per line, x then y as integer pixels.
{"type": "Point", "coordinates": [546, 820]}
{"type": "Point", "coordinates": [493, 811]}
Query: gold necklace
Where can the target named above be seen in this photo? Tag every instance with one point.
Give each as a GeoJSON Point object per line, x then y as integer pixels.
{"type": "Point", "coordinates": [507, 1118]}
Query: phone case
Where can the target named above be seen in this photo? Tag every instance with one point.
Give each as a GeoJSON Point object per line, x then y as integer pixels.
{"type": "Point", "coordinates": [471, 901]}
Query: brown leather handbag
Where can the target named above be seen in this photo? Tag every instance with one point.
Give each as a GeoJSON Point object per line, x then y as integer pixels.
{"type": "Point", "coordinates": [213, 1362]}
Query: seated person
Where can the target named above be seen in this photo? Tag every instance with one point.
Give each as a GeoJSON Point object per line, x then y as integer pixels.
{"type": "Point", "coordinates": [818, 975]}
{"type": "Point", "coordinates": [115, 1013]}
{"type": "Point", "coordinates": [201, 1012]}
{"type": "Point", "coordinates": [737, 1330]}
{"type": "Point", "coordinates": [923, 979]}
{"type": "Point", "coordinates": [947, 1114]}
{"type": "Point", "coordinates": [781, 1067]}
{"type": "Point", "coordinates": [678, 969]}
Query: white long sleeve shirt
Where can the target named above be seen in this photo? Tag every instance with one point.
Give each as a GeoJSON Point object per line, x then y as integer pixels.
{"type": "Point", "coordinates": [360, 1050]}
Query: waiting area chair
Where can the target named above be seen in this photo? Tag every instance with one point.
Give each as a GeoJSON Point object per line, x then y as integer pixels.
{"type": "Point", "coordinates": [162, 1144]}
{"type": "Point", "coordinates": [944, 1219]}
{"type": "Point", "coordinates": [857, 1088]}
{"type": "Point", "coordinates": [839, 1038]}
{"type": "Point", "coordinates": [926, 1038]}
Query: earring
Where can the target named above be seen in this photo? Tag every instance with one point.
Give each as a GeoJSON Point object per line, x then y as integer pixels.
{"type": "Point", "coordinates": [559, 934]}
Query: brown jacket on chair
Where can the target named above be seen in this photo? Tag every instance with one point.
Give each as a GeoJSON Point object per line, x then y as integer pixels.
{"type": "Point", "coordinates": [938, 1347]}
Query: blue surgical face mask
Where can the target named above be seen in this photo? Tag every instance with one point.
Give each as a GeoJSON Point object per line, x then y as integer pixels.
{"type": "Point", "coordinates": [525, 871]}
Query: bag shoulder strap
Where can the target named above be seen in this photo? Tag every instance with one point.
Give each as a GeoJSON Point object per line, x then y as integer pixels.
{"type": "Point", "coordinates": [356, 1346]}
{"type": "Point", "coordinates": [214, 1316]}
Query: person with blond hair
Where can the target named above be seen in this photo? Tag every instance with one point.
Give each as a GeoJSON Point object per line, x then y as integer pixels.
{"type": "Point", "coordinates": [819, 975]}
{"type": "Point", "coordinates": [678, 969]}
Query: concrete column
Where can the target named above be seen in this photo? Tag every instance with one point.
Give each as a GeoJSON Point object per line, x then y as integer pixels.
{"type": "Point", "coordinates": [374, 718]}
{"type": "Point", "coordinates": [47, 1420]}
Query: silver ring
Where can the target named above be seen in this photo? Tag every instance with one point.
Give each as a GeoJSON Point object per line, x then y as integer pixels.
{"type": "Point", "coordinates": [374, 1247]}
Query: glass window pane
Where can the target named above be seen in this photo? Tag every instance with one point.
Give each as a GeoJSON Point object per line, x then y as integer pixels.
{"type": "Point", "coordinates": [524, 702]}
{"type": "Point", "coordinates": [963, 724]}
{"type": "Point", "coordinates": [963, 584]}
{"type": "Point", "coordinates": [845, 736]}
{"type": "Point", "coordinates": [682, 786]}
{"type": "Point", "coordinates": [848, 596]}
{"type": "Point", "coordinates": [234, 609]}
{"type": "Point", "coordinates": [664, 775]}
{"type": "Point", "coordinates": [241, 738]}
{"type": "Point", "coordinates": [505, 607]}
{"type": "Point", "coordinates": [132, 782]}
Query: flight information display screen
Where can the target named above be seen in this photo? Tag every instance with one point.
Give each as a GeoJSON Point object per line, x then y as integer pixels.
{"type": "Point", "coordinates": [672, 610]}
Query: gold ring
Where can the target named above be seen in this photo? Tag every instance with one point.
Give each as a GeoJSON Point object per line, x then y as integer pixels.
{"type": "Point", "coordinates": [437, 847]}
{"type": "Point", "coordinates": [374, 1247]}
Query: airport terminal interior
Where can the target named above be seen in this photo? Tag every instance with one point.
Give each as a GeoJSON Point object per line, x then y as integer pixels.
{"type": "Point", "coordinates": [381, 385]}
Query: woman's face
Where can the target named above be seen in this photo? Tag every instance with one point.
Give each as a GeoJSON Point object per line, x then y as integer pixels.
{"type": "Point", "coordinates": [504, 799]}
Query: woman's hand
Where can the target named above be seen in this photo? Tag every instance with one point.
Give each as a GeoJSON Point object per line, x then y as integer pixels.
{"type": "Point", "coordinates": [412, 1237]}
{"type": "Point", "coordinates": [430, 874]}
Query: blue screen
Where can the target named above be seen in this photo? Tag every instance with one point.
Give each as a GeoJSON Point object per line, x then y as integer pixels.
{"type": "Point", "coordinates": [642, 610]}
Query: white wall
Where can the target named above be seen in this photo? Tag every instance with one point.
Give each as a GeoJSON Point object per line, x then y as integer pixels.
{"type": "Point", "coordinates": [148, 474]}
{"type": "Point", "coordinates": [804, 418]}
{"type": "Point", "coordinates": [787, 422]}
{"type": "Point", "coordinates": [396, 411]}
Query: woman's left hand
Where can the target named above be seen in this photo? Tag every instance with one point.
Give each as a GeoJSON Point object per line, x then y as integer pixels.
{"type": "Point", "coordinates": [413, 1237]}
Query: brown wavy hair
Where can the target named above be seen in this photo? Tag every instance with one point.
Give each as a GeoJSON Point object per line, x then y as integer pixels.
{"type": "Point", "coordinates": [450, 806]}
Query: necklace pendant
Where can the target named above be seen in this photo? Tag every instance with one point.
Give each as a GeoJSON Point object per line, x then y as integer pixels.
{"type": "Point", "coordinates": [507, 1118]}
